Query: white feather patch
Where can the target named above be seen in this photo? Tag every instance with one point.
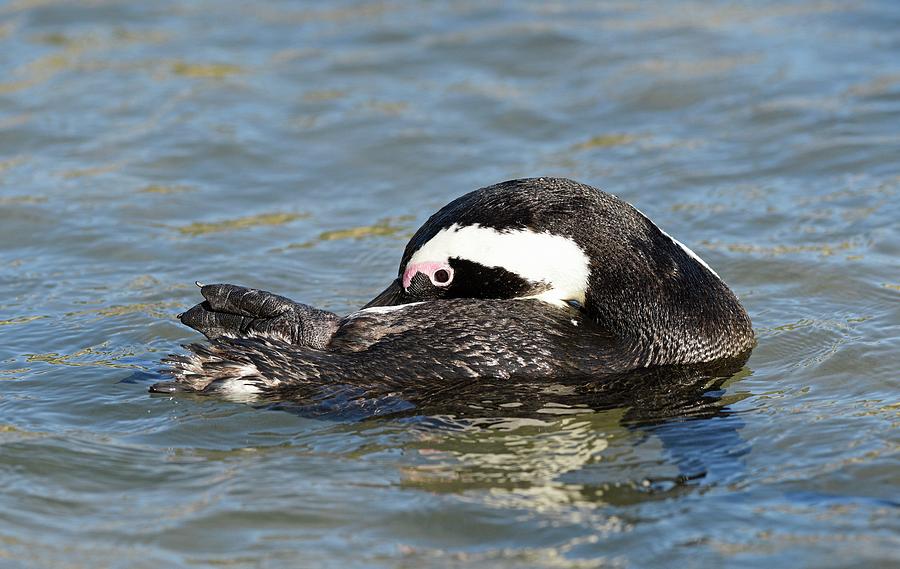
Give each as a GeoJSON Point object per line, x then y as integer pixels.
{"type": "Point", "coordinates": [691, 253]}
{"type": "Point", "coordinates": [242, 389]}
{"type": "Point", "coordinates": [537, 257]}
{"type": "Point", "coordinates": [386, 309]}
{"type": "Point", "coordinates": [684, 247]}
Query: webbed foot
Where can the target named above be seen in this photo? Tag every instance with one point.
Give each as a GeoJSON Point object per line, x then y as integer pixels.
{"type": "Point", "coordinates": [239, 312]}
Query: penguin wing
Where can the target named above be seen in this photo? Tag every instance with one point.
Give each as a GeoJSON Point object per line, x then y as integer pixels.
{"type": "Point", "coordinates": [233, 311]}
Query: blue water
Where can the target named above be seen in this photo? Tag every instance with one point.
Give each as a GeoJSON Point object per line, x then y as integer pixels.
{"type": "Point", "coordinates": [295, 147]}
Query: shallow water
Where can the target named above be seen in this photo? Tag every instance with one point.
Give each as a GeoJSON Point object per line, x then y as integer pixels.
{"type": "Point", "coordinates": [296, 147]}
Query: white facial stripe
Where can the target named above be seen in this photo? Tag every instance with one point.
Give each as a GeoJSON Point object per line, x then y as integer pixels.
{"type": "Point", "coordinates": [684, 247]}
{"type": "Point", "coordinates": [537, 257]}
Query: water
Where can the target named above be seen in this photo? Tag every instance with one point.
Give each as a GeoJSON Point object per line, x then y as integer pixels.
{"type": "Point", "coordinates": [295, 147]}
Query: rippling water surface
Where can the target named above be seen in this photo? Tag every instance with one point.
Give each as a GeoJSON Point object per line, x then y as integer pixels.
{"type": "Point", "coordinates": [296, 146]}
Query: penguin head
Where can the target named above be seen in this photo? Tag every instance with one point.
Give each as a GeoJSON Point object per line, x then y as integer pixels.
{"type": "Point", "coordinates": [571, 245]}
{"type": "Point", "coordinates": [496, 242]}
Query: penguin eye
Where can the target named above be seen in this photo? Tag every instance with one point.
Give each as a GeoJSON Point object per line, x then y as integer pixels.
{"type": "Point", "coordinates": [441, 277]}
{"type": "Point", "coordinates": [439, 274]}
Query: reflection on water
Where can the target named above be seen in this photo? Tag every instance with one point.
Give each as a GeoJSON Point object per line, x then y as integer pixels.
{"type": "Point", "coordinates": [551, 445]}
{"type": "Point", "coordinates": [556, 440]}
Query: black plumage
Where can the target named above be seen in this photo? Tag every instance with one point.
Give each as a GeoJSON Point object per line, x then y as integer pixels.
{"type": "Point", "coordinates": [647, 302]}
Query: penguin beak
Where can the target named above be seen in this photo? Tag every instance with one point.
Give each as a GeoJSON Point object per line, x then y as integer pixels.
{"type": "Point", "coordinates": [391, 296]}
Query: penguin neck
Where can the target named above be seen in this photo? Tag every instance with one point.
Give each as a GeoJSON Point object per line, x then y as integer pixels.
{"type": "Point", "coordinates": [668, 310]}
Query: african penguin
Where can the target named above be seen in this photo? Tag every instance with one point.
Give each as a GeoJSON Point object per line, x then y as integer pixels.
{"type": "Point", "coordinates": [528, 279]}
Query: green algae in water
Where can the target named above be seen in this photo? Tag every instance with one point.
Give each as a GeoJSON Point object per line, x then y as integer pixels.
{"type": "Point", "coordinates": [261, 220]}
{"type": "Point", "coordinates": [205, 70]}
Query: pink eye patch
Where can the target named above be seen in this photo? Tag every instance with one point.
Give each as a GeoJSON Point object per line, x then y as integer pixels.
{"type": "Point", "coordinates": [440, 274]}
